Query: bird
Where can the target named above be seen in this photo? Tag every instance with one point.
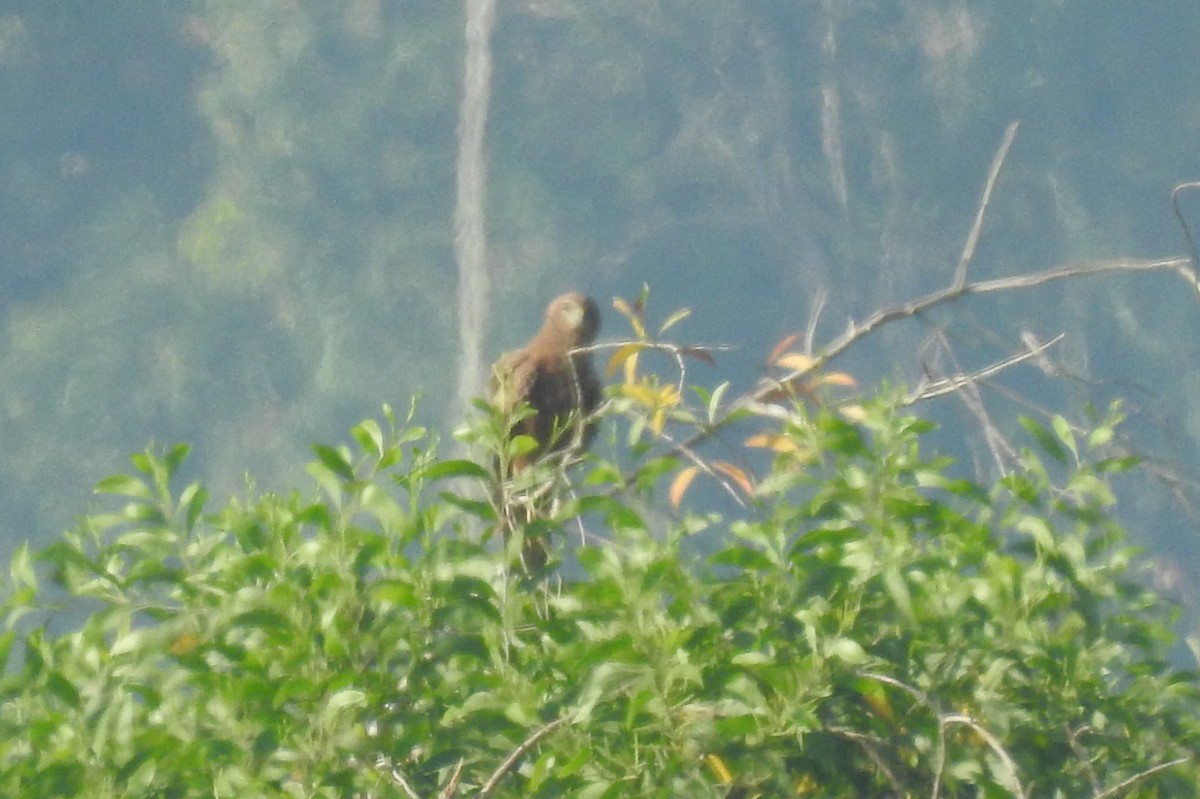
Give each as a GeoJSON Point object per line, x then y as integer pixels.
{"type": "Point", "coordinates": [558, 382]}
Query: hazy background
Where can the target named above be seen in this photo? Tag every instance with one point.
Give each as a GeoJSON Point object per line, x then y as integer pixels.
{"type": "Point", "coordinates": [232, 224]}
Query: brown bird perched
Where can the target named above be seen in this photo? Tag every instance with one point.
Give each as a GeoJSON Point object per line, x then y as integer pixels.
{"type": "Point", "coordinates": [562, 390]}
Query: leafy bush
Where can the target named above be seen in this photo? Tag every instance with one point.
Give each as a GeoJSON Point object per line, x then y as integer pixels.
{"type": "Point", "coordinates": [866, 625]}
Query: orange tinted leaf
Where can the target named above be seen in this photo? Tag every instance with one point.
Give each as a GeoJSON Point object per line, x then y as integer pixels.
{"type": "Point", "coordinates": [781, 348]}
{"type": "Point", "coordinates": [737, 475]}
{"type": "Point", "coordinates": [795, 361]}
{"type": "Point", "coordinates": [855, 413]}
{"type": "Point", "coordinates": [622, 355]}
{"type": "Point", "coordinates": [837, 379]}
{"type": "Point", "coordinates": [775, 442]}
{"type": "Point", "coordinates": [679, 485]}
{"type": "Point", "coordinates": [698, 353]}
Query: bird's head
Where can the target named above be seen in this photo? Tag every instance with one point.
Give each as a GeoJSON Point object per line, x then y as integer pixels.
{"type": "Point", "coordinates": [575, 317]}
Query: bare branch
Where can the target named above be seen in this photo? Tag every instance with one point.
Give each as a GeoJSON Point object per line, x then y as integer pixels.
{"type": "Point", "coordinates": [968, 253]}
{"type": "Point", "coordinates": [856, 331]}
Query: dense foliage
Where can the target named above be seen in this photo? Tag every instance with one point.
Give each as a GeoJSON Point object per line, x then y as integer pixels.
{"type": "Point", "coordinates": [867, 624]}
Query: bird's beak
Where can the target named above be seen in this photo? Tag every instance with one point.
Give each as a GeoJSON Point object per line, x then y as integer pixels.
{"type": "Point", "coordinates": [573, 315]}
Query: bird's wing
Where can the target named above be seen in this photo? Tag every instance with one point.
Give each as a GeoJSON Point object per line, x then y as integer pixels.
{"type": "Point", "coordinates": [512, 381]}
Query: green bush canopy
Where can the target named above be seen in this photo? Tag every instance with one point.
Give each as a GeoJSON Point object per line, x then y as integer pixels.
{"type": "Point", "coordinates": [861, 623]}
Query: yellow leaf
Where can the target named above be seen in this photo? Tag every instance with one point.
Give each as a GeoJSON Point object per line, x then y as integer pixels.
{"type": "Point", "coordinates": [621, 356]}
{"type": "Point", "coordinates": [717, 766]}
{"type": "Point", "coordinates": [634, 317]}
{"type": "Point", "coordinates": [669, 396]}
{"type": "Point", "coordinates": [184, 644]}
{"type": "Point", "coordinates": [795, 361]}
{"type": "Point", "coordinates": [658, 421]}
{"type": "Point", "coordinates": [641, 393]}
{"type": "Point", "coordinates": [631, 364]}
{"type": "Point", "coordinates": [737, 475]}
{"type": "Point", "coordinates": [679, 485]}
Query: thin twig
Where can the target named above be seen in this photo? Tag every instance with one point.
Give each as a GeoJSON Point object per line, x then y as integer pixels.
{"type": "Point", "coordinates": [814, 315]}
{"type": "Point", "coordinates": [968, 253]}
{"type": "Point", "coordinates": [867, 744]}
{"type": "Point", "coordinates": [683, 449]}
{"type": "Point", "coordinates": [948, 385]}
{"type": "Point", "coordinates": [1187, 229]}
{"type": "Point", "coordinates": [993, 743]}
{"type": "Point", "coordinates": [1120, 786]}
{"type": "Point", "coordinates": [518, 753]}
{"type": "Point", "coordinates": [398, 778]}
{"type": "Point", "coordinates": [452, 786]}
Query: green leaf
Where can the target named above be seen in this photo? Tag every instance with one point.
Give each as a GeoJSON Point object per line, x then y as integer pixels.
{"type": "Point", "coordinates": [262, 619]}
{"type": "Point", "coordinates": [349, 697]}
{"type": "Point", "coordinates": [21, 570]}
{"type": "Point", "coordinates": [62, 689]}
{"type": "Point", "coordinates": [442, 470]}
{"type": "Point", "coordinates": [478, 508]}
{"type": "Point", "coordinates": [126, 486]}
{"type": "Point", "coordinates": [369, 436]}
{"type": "Point", "coordinates": [192, 501]}
{"type": "Point", "coordinates": [1063, 430]}
{"type": "Point", "coordinates": [175, 457]}
{"type": "Point", "coordinates": [327, 480]}
{"type": "Point", "coordinates": [844, 649]}
{"type": "Point", "coordinates": [752, 659]}
{"type": "Point", "coordinates": [393, 592]}
{"type": "Point", "coordinates": [334, 461]}
{"type": "Point", "coordinates": [1049, 443]}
